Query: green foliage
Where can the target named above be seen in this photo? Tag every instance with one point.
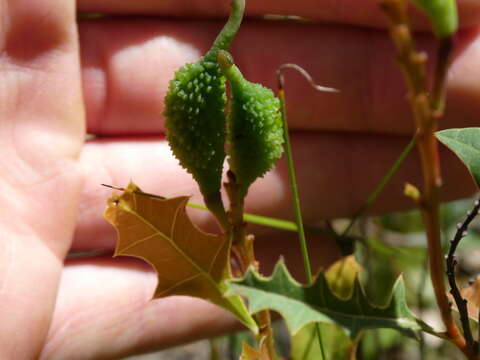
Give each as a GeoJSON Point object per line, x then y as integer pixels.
{"type": "Point", "coordinates": [341, 279]}
{"type": "Point", "coordinates": [410, 221]}
{"type": "Point", "coordinates": [301, 305]}
{"type": "Point", "coordinates": [404, 222]}
{"type": "Point", "coordinates": [254, 126]}
{"type": "Point", "coordinates": [465, 143]}
{"type": "Point", "coordinates": [442, 14]}
{"type": "Point", "coordinates": [194, 111]}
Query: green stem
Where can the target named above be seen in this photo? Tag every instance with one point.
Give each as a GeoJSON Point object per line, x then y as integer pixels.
{"type": "Point", "coordinates": [294, 190]}
{"type": "Point", "coordinates": [225, 37]}
{"type": "Point", "coordinates": [444, 53]}
{"type": "Point", "coordinates": [296, 204]}
{"type": "Point", "coordinates": [214, 203]}
{"type": "Point", "coordinates": [242, 247]}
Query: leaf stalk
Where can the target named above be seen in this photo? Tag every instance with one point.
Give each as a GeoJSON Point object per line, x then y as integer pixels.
{"type": "Point", "coordinates": [457, 296]}
{"type": "Point", "coordinates": [242, 248]}
{"type": "Point", "coordinates": [293, 181]}
{"type": "Point", "coordinates": [427, 111]}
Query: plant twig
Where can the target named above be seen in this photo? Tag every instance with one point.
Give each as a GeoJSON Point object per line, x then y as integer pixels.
{"type": "Point", "coordinates": [413, 65]}
{"type": "Point", "coordinates": [292, 176]}
{"type": "Point", "coordinates": [380, 186]}
{"type": "Point", "coordinates": [451, 262]}
{"type": "Point", "coordinates": [289, 156]}
{"type": "Point", "coordinates": [421, 303]}
{"type": "Point", "coordinates": [242, 248]}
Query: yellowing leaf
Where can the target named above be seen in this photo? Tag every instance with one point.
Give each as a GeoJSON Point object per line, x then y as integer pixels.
{"type": "Point", "coordinates": [187, 261]}
{"type": "Point", "coordinates": [341, 276]}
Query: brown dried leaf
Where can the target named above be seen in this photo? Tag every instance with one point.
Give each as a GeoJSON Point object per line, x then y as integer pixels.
{"type": "Point", "coordinates": [472, 294]}
{"type": "Point", "coordinates": [250, 353]}
{"type": "Point", "coordinates": [187, 260]}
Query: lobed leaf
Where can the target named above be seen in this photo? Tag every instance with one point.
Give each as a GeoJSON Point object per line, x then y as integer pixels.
{"type": "Point", "coordinates": [187, 260]}
{"type": "Point", "coordinates": [301, 305]}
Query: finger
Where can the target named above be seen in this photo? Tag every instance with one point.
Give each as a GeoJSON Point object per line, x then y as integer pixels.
{"type": "Point", "coordinates": [126, 77]}
{"type": "Point", "coordinates": [103, 311]}
{"type": "Point", "coordinates": [41, 131]}
{"type": "Point", "coordinates": [365, 13]}
{"type": "Point", "coordinates": [336, 173]}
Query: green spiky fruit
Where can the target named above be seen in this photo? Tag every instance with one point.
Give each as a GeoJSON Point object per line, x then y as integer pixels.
{"type": "Point", "coordinates": [254, 126]}
{"type": "Point", "coordinates": [194, 109]}
{"type": "Point", "coordinates": [194, 112]}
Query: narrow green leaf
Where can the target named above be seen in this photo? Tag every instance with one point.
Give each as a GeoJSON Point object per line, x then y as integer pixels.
{"type": "Point", "coordinates": [442, 14]}
{"type": "Point", "coordinates": [465, 143]}
{"type": "Point", "coordinates": [301, 305]}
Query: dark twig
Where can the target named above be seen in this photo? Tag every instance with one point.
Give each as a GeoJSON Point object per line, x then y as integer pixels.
{"type": "Point", "coordinates": [451, 262]}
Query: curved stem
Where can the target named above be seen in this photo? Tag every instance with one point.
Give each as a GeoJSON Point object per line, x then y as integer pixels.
{"type": "Point", "coordinates": [294, 187]}
{"type": "Point", "coordinates": [225, 37]}
{"type": "Point", "coordinates": [214, 203]}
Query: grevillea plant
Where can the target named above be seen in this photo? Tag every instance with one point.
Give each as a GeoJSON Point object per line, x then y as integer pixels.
{"type": "Point", "coordinates": [330, 315]}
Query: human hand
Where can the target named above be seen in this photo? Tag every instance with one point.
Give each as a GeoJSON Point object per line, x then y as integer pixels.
{"type": "Point", "coordinates": [99, 308]}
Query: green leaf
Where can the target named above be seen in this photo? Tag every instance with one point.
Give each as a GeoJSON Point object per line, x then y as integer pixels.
{"type": "Point", "coordinates": [187, 260]}
{"type": "Point", "coordinates": [465, 143]}
{"type": "Point", "coordinates": [340, 277]}
{"type": "Point", "coordinates": [301, 305]}
{"type": "Point", "coordinates": [442, 14]}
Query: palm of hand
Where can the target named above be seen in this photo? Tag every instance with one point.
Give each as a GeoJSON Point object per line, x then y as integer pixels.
{"type": "Point", "coordinates": [42, 132]}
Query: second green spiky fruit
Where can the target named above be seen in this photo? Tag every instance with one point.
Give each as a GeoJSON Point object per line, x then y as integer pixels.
{"type": "Point", "coordinates": [254, 126]}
